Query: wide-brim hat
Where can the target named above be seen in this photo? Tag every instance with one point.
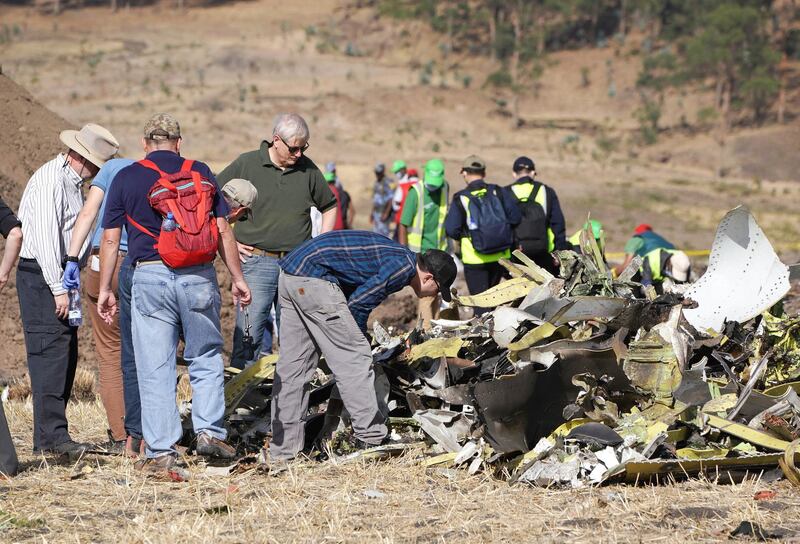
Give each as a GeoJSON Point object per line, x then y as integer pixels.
{"type": "Point", "coordinates": [92, 142]}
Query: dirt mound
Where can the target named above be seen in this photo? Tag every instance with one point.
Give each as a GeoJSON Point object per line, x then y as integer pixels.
{"type": "Point", "coordinates": [28, 138]}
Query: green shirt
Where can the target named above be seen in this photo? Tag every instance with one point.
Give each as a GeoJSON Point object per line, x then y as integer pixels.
{"type": "Point", "coordinates": [430, 226]}
{"type": "Point", "coordinates": [281, 218]}
{"type": "Point", "coordinates": [633, 245]}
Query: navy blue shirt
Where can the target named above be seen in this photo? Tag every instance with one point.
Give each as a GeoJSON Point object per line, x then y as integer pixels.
{"type": "Point", "coordinates": [368, 267]}
{"type": "Point", "coordinates": [128, 196]}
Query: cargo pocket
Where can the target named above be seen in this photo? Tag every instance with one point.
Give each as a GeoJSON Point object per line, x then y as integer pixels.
{"type": "Point", "coordinates": [201, 295]}
{"type": "Point", "coordinates": [149, 297]}
{"type": "Point", "coordinates": [39, 337]}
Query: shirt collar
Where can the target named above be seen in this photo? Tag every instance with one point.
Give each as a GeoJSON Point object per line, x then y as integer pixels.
{"type": "Point", "coordinates": [68, 174]}
{"type": "Point", "coordinates": [524, 179]}
{"type": "Point", "coordinates": [160, 154]}
{"type": "Point", "coordinates": [476, 184]}
{"type": "Point", "coordinates": [264, 152]}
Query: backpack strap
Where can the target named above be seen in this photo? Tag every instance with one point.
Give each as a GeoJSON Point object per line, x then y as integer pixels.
{"type": "Point", "coordinates": [133, 222]}
{"type": "Point", "coordinates": [152, 166]}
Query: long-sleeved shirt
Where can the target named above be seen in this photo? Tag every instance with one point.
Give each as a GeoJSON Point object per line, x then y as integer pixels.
{"type": "Point", "coordinates": [368, 267]}
{"type": "Point", "coordinates": [48, 210]}
{"type": "Point", "coordinates": [555, 216]}
{"type": "Point", "coordinates": [455, 224]}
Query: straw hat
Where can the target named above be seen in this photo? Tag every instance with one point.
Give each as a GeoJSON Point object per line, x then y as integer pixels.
{"type": "Point", "coordinates": [92, 142]}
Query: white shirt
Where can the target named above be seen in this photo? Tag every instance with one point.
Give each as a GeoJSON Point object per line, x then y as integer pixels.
{"type": "Point", "coordinates": [48, 211]}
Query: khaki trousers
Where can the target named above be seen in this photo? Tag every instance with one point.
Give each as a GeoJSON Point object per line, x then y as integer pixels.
{"type": "Point", "coordinates": [428, 309]}
{"type": "Point", "coordinates": [107, 348]}
{"type": "Point", "coordinates": [315, 320]}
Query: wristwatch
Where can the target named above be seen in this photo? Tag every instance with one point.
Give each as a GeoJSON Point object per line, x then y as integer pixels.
{"type": "Point", "coordinates": [69, 259]}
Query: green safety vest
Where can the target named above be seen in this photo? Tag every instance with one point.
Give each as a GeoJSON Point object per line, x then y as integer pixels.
{"type": "Point", "coordinates": [523, 193]}
{"type": "Point", "coordinates": [417, 226]}
{"type": "Point", "coordinates": [469, 255]}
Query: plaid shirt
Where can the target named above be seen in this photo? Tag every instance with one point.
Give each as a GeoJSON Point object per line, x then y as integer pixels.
{"type": "Point", "coordinates": [368, 267]}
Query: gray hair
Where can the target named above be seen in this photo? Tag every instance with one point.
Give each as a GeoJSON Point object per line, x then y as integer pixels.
{"type": "Point", "coordinates": [290, 126]}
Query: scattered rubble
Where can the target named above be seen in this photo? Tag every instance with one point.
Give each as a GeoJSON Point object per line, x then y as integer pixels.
{"type": "Point", "coordinates": [587, 379]}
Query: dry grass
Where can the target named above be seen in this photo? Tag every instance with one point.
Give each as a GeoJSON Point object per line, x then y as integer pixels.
{"type": "Point", "coordinates": [83, 388]}
{"type": "Point", "coordinates": [326, 502]}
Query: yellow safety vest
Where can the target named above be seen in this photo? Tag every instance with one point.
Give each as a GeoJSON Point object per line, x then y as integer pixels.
{"type": "Point", "coordinates": [575, 240]}
{"type": "Point", "coordinates": [417, 226]}
{"type": "Point", "coordinates": [469, 255]}
{"type": "Point", "coordinates": [653, 258]}
{"type": "Point", "coordinates": [523, 193]}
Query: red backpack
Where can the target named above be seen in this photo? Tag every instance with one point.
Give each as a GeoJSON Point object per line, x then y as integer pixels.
{"type": "Point", "coordinates": [190, 198]}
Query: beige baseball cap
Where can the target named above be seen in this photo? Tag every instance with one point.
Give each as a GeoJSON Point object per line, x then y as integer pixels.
{"type": "Point", "coordinates": [241, 191]}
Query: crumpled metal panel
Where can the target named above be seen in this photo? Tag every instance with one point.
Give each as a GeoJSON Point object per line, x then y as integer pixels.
{"type": "Point", "coordinates": [744, 276]}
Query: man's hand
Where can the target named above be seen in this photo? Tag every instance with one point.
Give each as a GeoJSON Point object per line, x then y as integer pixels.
{"type": "Point", "coordinates": [240, 292]}
{"type": "Point", "coordinates": [72, 276]}
{"type": "Point", "coordinates": [62, 305]}
{"type": "Point", "coordinates": [106, 305]}
{"type": "Point", "coordinates": [244, 251]}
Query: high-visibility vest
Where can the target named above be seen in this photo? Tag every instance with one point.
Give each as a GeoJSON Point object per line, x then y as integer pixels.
{"type": "Point", "coordinates": [339, 225]}
{"type": "Point", "coordinates": [654, 260]}
{"type": "Point", "coordinates": [523, 193]}
{"type": "Point", "coordinates": [469, 255]}
{"type": "Point", "coordinates": [418, 224]}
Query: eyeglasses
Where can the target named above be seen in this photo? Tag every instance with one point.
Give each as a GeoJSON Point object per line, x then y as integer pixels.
{"type": "Point", "coordinates": [294, 149]}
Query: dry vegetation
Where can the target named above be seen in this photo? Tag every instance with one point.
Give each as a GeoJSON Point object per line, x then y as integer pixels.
{"type": "Point", "coordinates": [103, 499]}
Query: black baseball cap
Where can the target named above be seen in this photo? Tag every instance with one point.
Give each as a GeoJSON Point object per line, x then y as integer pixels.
{"type": "Point", "coordinates": [523, 163]}
{"type": "Point", "coordinates": [443, 268]}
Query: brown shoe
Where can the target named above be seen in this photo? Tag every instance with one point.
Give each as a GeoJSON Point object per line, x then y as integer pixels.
{"type": "Point", "coordinates": [163, 467]}
{"type": "Point", "coordinates": [134, 447]}
{"type": "Point", "coordinates": [209, 446]}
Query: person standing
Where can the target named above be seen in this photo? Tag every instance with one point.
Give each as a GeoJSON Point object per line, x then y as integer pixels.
{"type": "Point", "coordinates": [422, 225]}
{"type": "Point", "coordinates": [172, 301]}
{"type": "Point", "coordinates": [118, 386]}
{"type": "Point", "coordinates": [482, 217]}
{"type": "Point", "coordinates": [382, 194]}
{"type": "Point", "coordinates": [290, 184]}
{"type": "Point", "coordinates": [328, 287]}
{"type": "Point", "coordinates": [10, 228]}
{"type": "Point", "coordinates": [48, 210]}
{"type": "Point", "coordinates": [543, 228]}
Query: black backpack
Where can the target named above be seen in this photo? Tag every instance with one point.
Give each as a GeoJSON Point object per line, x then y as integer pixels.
{"type": "Point", "coordinates": [489, 230]}
{"type": "Point", "coordinates": [531, 232]}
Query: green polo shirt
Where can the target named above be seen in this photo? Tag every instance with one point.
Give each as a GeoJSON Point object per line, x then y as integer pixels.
{"type": "Point", "coordinates": [281, 219]}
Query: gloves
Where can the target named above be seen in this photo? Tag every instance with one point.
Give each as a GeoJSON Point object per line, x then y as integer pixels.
{"type": "Point", "coordinates": [72, 276]}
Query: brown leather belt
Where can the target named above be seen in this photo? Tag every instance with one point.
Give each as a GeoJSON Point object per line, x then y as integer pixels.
{"type": "Point", "coordinates": [265, 253]}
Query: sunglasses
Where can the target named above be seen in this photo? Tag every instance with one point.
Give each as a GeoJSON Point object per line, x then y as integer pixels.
{"type": "Point", "coordinates": [294, 149]}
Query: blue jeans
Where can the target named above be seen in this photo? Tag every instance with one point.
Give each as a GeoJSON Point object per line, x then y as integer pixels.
{"type": "Point", "coordinates": [133, 405]}
{"type": "Point", "coordinates": [165, 302]}
{"type": "Point", "coordinates": [261, 274]}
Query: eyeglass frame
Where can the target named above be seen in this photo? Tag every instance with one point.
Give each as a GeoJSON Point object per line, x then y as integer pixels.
{"type": "Point", "coordinates": [294, 149]}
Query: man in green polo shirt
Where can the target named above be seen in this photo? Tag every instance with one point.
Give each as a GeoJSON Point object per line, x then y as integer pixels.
{"type": "Point", "coordinates": [288, 184]}
{"type": "Point", "coordinates": [422, 226]}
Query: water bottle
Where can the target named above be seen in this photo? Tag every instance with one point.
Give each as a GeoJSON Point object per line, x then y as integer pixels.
{"type": "Point", "coordinates": [169, 224]}
{"type": "Point", "coordinates": [75, 315]}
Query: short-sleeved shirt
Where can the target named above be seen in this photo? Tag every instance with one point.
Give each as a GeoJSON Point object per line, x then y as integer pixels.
{"type": "Point", "coordinates": [103, 180]}
{"type": "Point", "coordinates": [7, 219]}
{"type": "Point", "coordinates": [128, 196]}
{"type": "Point", "coordinates": [634, 245]}
{"type": "Point", "coordinates": [367, 266]}
{"type": "Point", "coordinates": [430, 226]}
{"type": "Point", "coordinates": [281, 218]}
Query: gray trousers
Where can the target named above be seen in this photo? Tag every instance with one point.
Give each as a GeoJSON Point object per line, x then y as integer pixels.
{"type": "Point", "coordinates": [315, 319]}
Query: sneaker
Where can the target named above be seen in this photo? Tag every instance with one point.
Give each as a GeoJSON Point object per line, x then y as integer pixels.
{"type": "Point", "coordinates": [209, 446]}
{"type": "Point", "coordinates": [163, 467]}
{"type": "Point", "coordinates": [112, 447]}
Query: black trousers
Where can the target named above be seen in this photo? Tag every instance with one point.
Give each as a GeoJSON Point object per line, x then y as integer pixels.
{"type": "Point", "coordinates": [481, 277]}
{"type": "Point", "coordinates": [8, 455]}
{"type": "Point", "coordinates": [52, 347]}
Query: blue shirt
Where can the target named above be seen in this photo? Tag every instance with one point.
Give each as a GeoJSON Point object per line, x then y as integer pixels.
{"type": "Point", "coordinates": [103, 180]}
{"type": "Point", "coordinates": [128, 196]}
{"type": "Point", "coordinates": [368, 267]}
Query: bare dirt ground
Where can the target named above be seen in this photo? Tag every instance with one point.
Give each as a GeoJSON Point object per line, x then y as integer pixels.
{"type": "Point", "coordinates": [104, 500]}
